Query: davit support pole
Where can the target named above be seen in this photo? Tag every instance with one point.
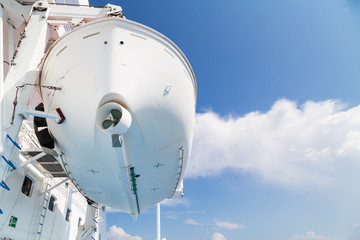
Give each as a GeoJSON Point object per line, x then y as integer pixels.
{"type": "Point", "coordinates": [158, 221]}
{"type": "Point", "coordinates": [1, 76]}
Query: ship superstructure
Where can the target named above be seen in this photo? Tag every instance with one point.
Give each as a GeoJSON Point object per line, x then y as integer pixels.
{"type": "Point", "coordinates": [96, 111]}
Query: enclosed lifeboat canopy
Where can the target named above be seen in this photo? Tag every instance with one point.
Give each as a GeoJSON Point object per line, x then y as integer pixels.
{"type": "Point", "coordinates": [129, 97]}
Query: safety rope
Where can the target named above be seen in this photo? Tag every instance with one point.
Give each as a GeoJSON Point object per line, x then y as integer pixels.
{"type": "Point", "coordinates": [22, 36]}
{"type": "Point", "coordinates": [43, 86]}
{"type": "Point", "coordinates": [14, 104]}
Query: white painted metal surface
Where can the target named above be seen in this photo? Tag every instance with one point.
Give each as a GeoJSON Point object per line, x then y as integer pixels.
{"type": "Point", "coordinates": [101, 65]}
{"type": "Point", "coordinates": [136, 68]}
{"type": "Point", "coordinates": [28, 58]}
{"type": "Point", "coordinates": [14, 204]}
{"type": "Point", "coordinates": [28, 209]}
{"type": "Point", "coordinates": [1, 76]}
{"type": "Point", "coordinates": [158, 230]}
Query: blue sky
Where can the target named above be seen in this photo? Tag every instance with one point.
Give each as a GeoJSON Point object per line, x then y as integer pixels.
{"type": "Point", "coordinates": [276, 151]}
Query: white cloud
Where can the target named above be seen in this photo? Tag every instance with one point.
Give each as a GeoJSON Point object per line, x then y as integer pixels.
{"type": "Point", "coordinates": [195, 212]}
{"type": "Point", "coordinates": [171, 214]}
{"type": "Point", "coordinates": [309, 236]}
{"type": "Point", "coordinates": [192, 222]}
{"type": "Point", "coordinates": [228, 225]}
{"type": "Point", "coordinates": [218, 236]}
{"type": "Point", "coordinates": [356, 225]}
{"type": "Point", "coordinates": [313, 236]}
{"type": "Point", "coordinates": [174, 202]}
{"type": "Point", "coordinates": [288, 144]}
{"type": "Point", "coordinates": [117, 233]}
{"type": "Point", "coordinates": [112, 210]}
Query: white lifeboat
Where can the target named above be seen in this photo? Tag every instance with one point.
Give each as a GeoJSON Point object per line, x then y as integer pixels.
{"type": "Point", "coordinates": [129, 97]}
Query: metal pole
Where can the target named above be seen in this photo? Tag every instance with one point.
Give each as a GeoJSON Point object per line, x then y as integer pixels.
{"type": "Point", "coordinates": [1, 76]}
{"type": "Point", "coordinates": [31, 160]}
{"type": "Point", "coordinates": [58, 184]}
{"type": "Point", "coordinates": [158, 220]}
{"type": "Point", "coordinates": [11, 48]}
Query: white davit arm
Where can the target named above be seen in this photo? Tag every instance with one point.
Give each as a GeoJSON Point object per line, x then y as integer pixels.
{"type": "Point", "coordinates": [14, 95]}
{"type": "Point", "coordinates": [65, 14]}
{"type": "Point", "coordinates": [1, 77]}
{"type": "Point", "coordinates": [24, 70]}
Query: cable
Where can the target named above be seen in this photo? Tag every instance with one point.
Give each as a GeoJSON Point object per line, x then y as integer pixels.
{"type": "Point", "coordinates": [43, 86]}
{"type": "Point", "coordinates": [69, 4]}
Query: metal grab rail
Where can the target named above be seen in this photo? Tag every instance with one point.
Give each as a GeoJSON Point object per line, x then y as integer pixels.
{"type": "Point", "coordinates": [180, 167]}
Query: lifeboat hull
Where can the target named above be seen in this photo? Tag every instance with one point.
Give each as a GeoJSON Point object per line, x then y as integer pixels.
{"type": "Point", "coordinates": [118, 64]}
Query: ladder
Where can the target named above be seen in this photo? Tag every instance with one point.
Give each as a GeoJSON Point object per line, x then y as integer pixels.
{"type": "Point", "coordinates": [96, 220]}
{"type": "Point", "coordinates": [5, 170]}
{"type": "Point", "coordinates": [43, 212]}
